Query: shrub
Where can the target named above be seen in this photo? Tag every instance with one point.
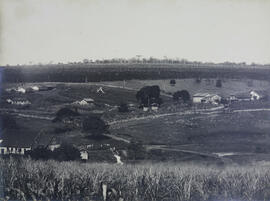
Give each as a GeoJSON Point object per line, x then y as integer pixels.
{"type": "Point", "coordinates": [94, 125]}
{"type": "Point", "coordinates": [218, 83]}
{"type": "Point", "coordinates": [172, 82]}
{"type": "Point", "coordinates": [65, 112]}
{"type": "Point", "coordinates": [66, 152]}
{"type": "Point", "coordinates": [181, 95]}
{"type": "Point", "coordinates": [123, 107]}
{"type": "Point", "coordinates": [149, 95]}
{"type": "Point", "coordinates": [40, 153]}
{"type": "Point", "coordinates": [136, 151]}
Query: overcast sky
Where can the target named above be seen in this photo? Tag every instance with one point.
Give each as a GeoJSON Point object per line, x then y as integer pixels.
{"type": "Point", "coordinates": [71, 30]}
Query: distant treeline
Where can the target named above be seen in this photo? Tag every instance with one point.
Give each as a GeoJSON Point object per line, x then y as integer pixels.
{"type": "Point", "coordinates": [113, 72]}
{"type": "Point", "coordinates": [151, 60]}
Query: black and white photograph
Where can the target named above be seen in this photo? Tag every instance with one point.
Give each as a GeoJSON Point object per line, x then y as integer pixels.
{"type": "Point", "coordinates": [135, 100]}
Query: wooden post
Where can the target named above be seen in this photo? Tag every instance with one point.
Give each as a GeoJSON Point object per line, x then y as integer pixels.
{"type": "Point", "coordinates": [104, 191]}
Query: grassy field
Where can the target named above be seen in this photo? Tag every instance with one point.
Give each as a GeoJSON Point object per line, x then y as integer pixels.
{"type": "Point", "coordinates": [207, 132]}
{"type": "Point", "coordinates": [37, 180]}
{"type": "Point", "coordinates": [229, 86]}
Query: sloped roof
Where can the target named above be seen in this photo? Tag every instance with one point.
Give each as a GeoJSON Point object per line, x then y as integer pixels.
{"type": "Point", "coordinates": [201, 94]}
{"type": "Point", "coordinates": [205, 95]}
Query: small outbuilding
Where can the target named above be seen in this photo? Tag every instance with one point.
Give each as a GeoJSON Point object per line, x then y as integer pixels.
{"type": "Point", "coordinates": [154, 107]}
{"type": "Point", "coordinates": [258, 95]}
{"type": "Point", "coordinates": [206, 98]}
{"type": "Point", "coordinates": [198, 97]}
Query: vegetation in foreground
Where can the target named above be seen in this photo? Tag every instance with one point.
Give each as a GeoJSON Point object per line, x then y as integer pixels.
{"type": "Point", "coordinates": [51, 180]}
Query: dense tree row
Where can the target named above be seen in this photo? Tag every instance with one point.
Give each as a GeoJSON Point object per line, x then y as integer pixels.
{"type": "Point", "coordinates": [77, 73]}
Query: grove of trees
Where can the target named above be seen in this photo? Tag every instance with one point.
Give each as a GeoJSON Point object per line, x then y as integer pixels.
{"type": "Point", "coordinates": [182, 95]}
{"type": "Point", "coordinates": [94, 125]}
{"type": "Point", "coordinates": [123, 107]}
{"type": "Point", "coordinates": [149, 95]}
{"type": "Point", "coordinates": [66, 152]}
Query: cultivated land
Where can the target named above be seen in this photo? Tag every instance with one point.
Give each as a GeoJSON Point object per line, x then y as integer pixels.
{"type": "Point", "coordinates": [37, 180]}
{"type": "Point", "coordinates": [175, 130]}
{"type": "Point", "coordinates": [193, 152]}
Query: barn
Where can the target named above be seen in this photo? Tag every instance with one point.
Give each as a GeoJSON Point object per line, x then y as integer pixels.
{"type": "Point", "coordinates": [206, 98]}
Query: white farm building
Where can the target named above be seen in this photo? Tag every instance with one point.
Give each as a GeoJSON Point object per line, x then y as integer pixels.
{"type": "Point", "coordinates": [206, 98]}
{"type": "Point", "coordinates": [257, 95]}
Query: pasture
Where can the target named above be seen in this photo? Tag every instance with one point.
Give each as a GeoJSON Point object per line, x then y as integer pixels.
{"type": "Point", "coordinates": [174, 126]}
{"type": "Point", "coordinates": [207, 85]}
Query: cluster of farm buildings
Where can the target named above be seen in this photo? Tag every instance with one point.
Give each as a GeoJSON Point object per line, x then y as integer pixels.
{"type": "Point", "coordinates": [216, 99]}
{"type": "Point", "coordinates": [21, 146]}
{"type": "Point", "coordinates": [16, 147]}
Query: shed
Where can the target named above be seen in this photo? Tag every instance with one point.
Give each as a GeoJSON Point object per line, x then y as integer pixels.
{"type": "Point", "coordinates": [206, 98]}
{"type": "Point", "coordinates": [198, 97]}
{"type": "Point", "coordinates": [258, 94]}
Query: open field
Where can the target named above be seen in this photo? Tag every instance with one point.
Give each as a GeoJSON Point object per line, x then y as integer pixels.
{"type": "Point", "coordinates": [229, 86]}
{"type": "Point", "coordinates": [27, 179]}
{"type": "Point", "coordinates": [174, 130]}
{"type": "Point", "coordinates": [113, 72]}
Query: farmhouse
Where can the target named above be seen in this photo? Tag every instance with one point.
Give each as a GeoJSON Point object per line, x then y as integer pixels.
{"type": "Point", "coordinates": [84, 105]}
{"type": "Point", "coordinates": [198, 97]}
{"type": "Point", "coordinates": [206, 98]}
{"type": "Point", "coordinates": [257, 95]}
{"type": "Point", "coordinates": [18, 101]}
{"type": "Point", "coordinates": [84, 154]}
{"type": "Point", "coordinates": [85, 101]}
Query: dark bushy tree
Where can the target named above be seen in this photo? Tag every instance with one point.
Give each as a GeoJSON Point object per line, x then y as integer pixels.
{"type": "Point", "coordinates": [218, 83]}
{"type": "Point", "coordinates": [66, 152]}
{"type": "Point", "coordinates": [136, 151]}
{"type": "Point", "coordinates": [224, 101]}
{"type": "Point", "coordinates": [182, 95]}
{"type": "Point", "coordinates": [65, 112]}
{"type": "Point", "coordinates": [172, 82]}
{"type": "Point", "coordinates": [94, 125]}
{"type": "Point", "coordinates": [123, 107]}
{"type": "Point", "coordinates": [148, 95]}
{"type": "Point", "coordinates": [40, 153]}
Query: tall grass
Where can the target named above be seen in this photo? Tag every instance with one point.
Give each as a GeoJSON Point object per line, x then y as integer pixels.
{"type": "Point", "coordinates": [51, 180]}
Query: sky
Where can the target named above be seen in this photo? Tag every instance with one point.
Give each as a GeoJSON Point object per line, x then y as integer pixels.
{"type": "Point", "coordinates": [43, 31]}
